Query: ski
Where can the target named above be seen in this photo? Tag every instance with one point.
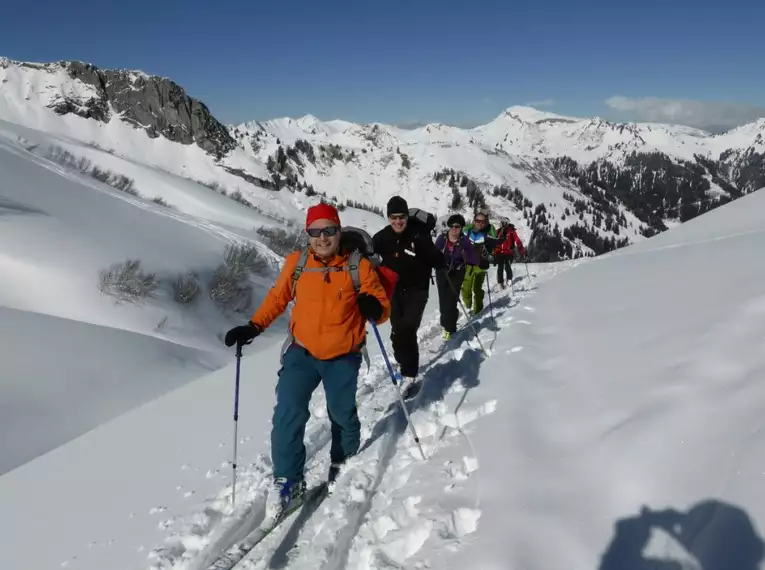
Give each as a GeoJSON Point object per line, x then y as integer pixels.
{"type": "Point", "coordinates": [233, 555]}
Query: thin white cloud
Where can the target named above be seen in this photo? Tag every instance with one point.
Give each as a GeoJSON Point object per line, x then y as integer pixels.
{"type": "Point", "coordinates": [542, 103]}
{"type": "Point", "coordinates": [700, 114]}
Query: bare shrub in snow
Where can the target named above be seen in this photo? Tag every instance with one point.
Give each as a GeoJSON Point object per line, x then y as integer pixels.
{"type": "Point", "coordinates": [280, 240]}
{"type": "Point", "coordinates": [118, 181]}
{"type": "Point", "coordinates": [65, 158]}
{"type": "Point", "coordinates": [186, 289]}
{"type": "Point", "coordinates": [228, 286]}
{"type": "Point", "coordinates": [212, 185]}
{"type": "Point", "coordinates": [160, 201]}
{"type": "Point", "coordinates": [237, 196]}
{"type": "Point", "coordinates": [127, 281]}
{"type": "Point", "coordinates": [242, 259]}
{"type": "Point", "coordinates": [229, 290]}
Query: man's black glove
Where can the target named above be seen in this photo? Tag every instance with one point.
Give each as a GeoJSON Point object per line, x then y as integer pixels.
{"type": "Point", "coordinates": [242, 334]}
{"type": "Point", "coordinates": [483, 263]}
{"type": "Point", "coordinates": [370, 307]}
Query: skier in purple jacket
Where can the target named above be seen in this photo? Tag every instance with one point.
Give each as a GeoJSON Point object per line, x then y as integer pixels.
{"type": "Point", "coordinates": [459, 253]}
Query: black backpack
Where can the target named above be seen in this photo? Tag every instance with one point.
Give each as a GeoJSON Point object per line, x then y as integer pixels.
{"type": "Point", "coordinates": [424, 222]}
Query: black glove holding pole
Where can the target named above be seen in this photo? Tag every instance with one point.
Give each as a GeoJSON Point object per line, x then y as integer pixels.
{"type": "Point", "coordinates": [243, 334]}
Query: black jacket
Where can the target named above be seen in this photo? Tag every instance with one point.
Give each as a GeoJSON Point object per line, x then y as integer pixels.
{"type": "Point", "coordinates": [411, 254]}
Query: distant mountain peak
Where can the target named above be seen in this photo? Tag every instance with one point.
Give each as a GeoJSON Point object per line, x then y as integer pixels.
{"type": "Point", "coordinates": [532, 115]}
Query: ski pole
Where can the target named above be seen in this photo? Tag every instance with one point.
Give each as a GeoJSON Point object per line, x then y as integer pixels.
{"type": "Point", "coordinates": [488, 291]}
{"type": "Point", "coordinates": [236, 421]}
{"type": "Point", "coordinates": [528, 276]}
{"type": "Point", "coordinates": [398, 390]}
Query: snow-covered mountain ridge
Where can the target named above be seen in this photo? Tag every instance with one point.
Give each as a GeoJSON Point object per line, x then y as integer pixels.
{"type": "Point", "coordinates": [574, 186]}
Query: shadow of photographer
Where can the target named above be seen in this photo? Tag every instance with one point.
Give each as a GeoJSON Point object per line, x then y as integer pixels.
{"type": "Point", "coordinates": [712, 535]}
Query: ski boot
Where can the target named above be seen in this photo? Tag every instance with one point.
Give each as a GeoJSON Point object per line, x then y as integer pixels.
{"type": "Point", "coordinates": [281, 496]}
{"type": "Point", "coordinates": [334, 471]}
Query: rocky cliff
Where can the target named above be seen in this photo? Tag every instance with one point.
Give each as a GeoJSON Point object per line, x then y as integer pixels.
{"type": "Point", "coordinates": [156, 104]}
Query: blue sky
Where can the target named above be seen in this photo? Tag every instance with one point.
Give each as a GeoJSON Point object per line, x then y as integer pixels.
{"type": "Point", "coordinates": [459, 62]}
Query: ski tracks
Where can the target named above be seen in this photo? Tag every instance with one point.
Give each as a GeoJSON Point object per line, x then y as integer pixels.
{"type": "Point", "coordinates": [376, 517]}
{"type": "Point", "coordinates": [195, 540]}
{"type": "Point", "coordinates": [382, 513]}
{"type": "Point", "coordinates": [416, 511]}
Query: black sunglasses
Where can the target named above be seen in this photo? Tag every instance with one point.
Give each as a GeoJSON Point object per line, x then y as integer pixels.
{"type": "Point", "coordinates": [457, 226]}
{"type": "Point", "coordinates": [328, 231]}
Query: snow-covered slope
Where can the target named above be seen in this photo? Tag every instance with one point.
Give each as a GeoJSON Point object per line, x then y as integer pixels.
{"type": "Point", "coordinates": [72, 207]}
{"type": "Point", "coordinates": [612, 427]}
{"type": "Point", "coordinates": [73, 355]}
{"type": "Point", "coordinates": [573, 186]}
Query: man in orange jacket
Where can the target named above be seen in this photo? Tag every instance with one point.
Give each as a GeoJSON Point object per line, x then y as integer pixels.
{"type": "Point", "coordinates": [328, 330]}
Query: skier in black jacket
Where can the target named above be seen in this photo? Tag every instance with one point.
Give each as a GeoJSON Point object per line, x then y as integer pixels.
{"type": "Point", "coordinates": [407, 248]}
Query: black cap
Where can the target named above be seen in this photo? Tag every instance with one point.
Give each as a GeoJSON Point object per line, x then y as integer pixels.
{"type": "Point", "coordinates": [397, 205]}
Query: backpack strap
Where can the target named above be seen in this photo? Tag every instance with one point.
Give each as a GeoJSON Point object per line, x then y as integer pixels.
{"type": "Point", "coordinates": [302, 260]}
{"type": "Point", "coordinates": [353, 267]}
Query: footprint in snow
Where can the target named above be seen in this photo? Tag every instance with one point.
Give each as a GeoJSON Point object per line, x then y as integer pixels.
{"type": "Point", "coordinates": [461, 471]}
{"type": "Point", "coordinates": [166, 524]}
{"type": "Point", "coordinates": [406, 542]}
{"type": "Point", "coordinates": [461, 522]}
{"type": "Point", "coordinates": [466, 416]}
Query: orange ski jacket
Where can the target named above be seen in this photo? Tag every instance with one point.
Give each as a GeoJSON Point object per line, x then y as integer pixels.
{"type": "Point", "coordinates": [326, 319]}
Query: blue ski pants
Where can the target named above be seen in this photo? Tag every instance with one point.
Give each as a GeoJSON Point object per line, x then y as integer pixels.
{"type": "Point", "coordinates": [298, 378]}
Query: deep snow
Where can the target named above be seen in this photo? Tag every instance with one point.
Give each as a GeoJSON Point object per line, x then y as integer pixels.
{"type": "Point", "coordinates": [72, 357]}
{"type": "Point", "coordinates": [613, 384]}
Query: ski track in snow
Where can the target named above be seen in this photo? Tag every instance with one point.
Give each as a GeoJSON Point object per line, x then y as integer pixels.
{"type": "Point", "coordinates": [371, 520]}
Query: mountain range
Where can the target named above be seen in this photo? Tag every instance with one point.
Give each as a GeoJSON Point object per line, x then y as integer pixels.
{"type": "Point", "coordinates": [572, 186]}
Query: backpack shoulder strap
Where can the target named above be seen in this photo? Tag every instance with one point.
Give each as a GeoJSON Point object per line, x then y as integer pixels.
{"type": "Point", "coordinates": [302, 260]}
{"type": "Point", "coordinates": [353, 267]}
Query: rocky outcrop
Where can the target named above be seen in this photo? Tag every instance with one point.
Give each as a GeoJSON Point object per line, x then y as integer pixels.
{"type": "Point", "coordinates": [156, 104]}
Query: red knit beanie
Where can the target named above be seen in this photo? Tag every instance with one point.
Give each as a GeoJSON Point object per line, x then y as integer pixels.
{"type": "Point", "coordinates": [322, 211]}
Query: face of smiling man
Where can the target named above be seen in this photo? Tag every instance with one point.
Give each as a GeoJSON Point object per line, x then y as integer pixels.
{"type": "Point", "coordinates": [398, 222]}
{"type": "Point", "coordinates": [324, 238]}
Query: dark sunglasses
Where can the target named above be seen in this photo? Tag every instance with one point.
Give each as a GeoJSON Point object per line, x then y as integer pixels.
{"type": "Point", "coordinates": [328, 231]}
{"type": "Point", "coordinates": [456, 226]}
{"type": "Point", "coordinates": [398, 217]}
{"type": "Point", "coordinates": [480, 220]}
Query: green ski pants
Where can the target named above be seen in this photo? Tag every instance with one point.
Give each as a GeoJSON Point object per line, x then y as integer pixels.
{"type": "Point", "coordinates": [472, 288]}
